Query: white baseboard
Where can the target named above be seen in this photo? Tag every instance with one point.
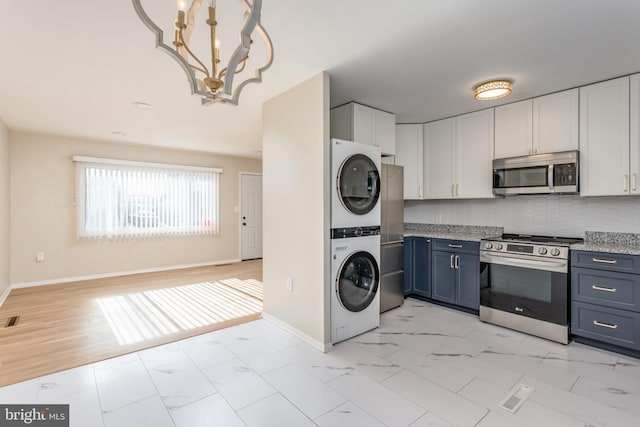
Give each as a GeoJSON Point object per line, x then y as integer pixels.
{"type": "Point", "coordinates": [323, 347]}
{"type": "Point", "coordinates": [121, 273]}
{"type": "Point", "coordinates": [4, 295]}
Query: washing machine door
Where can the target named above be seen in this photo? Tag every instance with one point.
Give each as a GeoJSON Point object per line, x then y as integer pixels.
{"type": "Point", "coordinates": [357, 281]}
{"type": "Point", "coordinates": [358, 184]}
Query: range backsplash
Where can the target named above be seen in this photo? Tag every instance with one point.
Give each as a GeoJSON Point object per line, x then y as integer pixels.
{"type": "Point", "coordinates": [560, 215]}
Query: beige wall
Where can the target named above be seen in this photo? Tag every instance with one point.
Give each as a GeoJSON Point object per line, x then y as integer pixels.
{"type": "Point", "coordinates": [43, 214]}
{"type": "Point", "coordinates": [4, 208]}
{"type": "Point", "coordinates": [296, 207]}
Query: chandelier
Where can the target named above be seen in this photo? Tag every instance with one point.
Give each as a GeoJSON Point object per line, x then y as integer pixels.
{"type": "Point", "coordinates": [210, 81]}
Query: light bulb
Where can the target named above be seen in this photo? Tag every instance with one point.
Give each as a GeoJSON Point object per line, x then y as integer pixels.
{"type": "Point", "coordinates": [217, 43]}
{"type": "Point", "coordinates": [182, 5]}
{"type": "Point", "coordinates": [212, 3]}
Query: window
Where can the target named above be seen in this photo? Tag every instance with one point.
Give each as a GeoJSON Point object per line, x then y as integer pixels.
{"type": "Point", "coordinates": [118, 198]}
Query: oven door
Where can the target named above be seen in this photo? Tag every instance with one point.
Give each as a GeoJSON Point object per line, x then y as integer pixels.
{"type": "Point", "coordinates": [525, 285]}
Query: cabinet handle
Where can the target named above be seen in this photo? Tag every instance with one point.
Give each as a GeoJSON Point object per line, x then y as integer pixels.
{"type": "Point", "coordinates": [457, 262]}
{"type": "Point", "coordinates": [605, 261]}
{"type": "Point", "coordinates": [605, 325]}
{"type": "Point", "coordinates": [626, 183]}
{"type": "Point", "coordinates": [454, 246]}
{"type": "Point", "coordinates": [451, 261]}
{"type": "Point", "coordinates": [420, 191]}
{"type": "Point", "coordinates": [457, 194]}
{"type": "Point", "coordinates": [600, 288]}
{"type": "Point", "coordinates": [528, 151]}
{"type": "Point", "coordinates": [633, 182]}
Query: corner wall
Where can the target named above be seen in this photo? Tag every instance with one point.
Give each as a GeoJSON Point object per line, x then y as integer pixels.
{"type": "Point", "coordinates": [5, 278]}
{"type": "Point", "coordinates": [296, 209]}
{"type": "Point", "coordinates": [43, 215]}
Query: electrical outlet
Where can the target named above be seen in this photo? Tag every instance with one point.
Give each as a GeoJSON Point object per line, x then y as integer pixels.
{"type": "Point", "coordinates": [40, 256]}
{"type": "Point", "coordinates": [290, 284]}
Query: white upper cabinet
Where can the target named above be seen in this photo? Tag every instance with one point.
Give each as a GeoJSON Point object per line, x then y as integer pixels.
{"type": "Point", "coordinates": [474, 155]}
{"type": "Point", "coordinates": [457, 157]}
{"type": "Point", "coordinates": [604, 138]}
{"type": "Point", "coordinates": [409, 154]}
{"type": "Point", "coordinates": [555, 122]}
{"type": "Point", "coordinates": [359, 123]}
{"type": "Point", "coordinates": [514, 129]}
{"type": "Point", "coordinates": [439, 141]}
{"type": "Point", "coordinates": [634, 134]}
{"type": "Point", "coordinates": [546, 124]}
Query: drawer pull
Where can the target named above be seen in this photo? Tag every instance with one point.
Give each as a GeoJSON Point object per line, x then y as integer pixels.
{"type": "Point", "coordinates": [605, 261]}
{"type": "Point", "coordinates": [454, 246]}
{"type": "Point", "coordinates": [605, 325]}
{"type": "Point", "coordinates": [600, 288]}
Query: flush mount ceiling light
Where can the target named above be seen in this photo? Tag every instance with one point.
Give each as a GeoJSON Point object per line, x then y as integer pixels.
{"type": "Point", "coordinates": [494, 89]}
{"type": "Point", "coordinates": [212, 83]}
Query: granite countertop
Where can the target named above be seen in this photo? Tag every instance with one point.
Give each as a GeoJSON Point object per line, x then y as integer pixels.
{"type": "Point", "coordinates": [469, 233]}
{"type": "Point", "coordinates": [616, 243]}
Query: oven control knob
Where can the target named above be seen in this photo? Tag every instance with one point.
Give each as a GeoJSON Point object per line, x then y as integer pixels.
{"type": "Point", "coordinates": [488, 245]}
{"type": "Point", "coordinates": [499, 246]}
{"type": "Point", "coordinates": [542, 251]}
{"type": "Point", "coordinates": [555, 251]}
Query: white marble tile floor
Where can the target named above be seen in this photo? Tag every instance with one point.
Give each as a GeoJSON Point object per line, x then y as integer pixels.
{"type": "Point", "coordinates": [425, 366]}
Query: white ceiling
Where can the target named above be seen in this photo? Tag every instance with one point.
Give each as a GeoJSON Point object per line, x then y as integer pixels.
{"type": "Point", "coordinates": [75, 67]}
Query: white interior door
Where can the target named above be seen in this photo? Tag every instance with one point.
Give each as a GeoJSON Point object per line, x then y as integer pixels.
{"type": "Point", "coordinates": [251, 216]}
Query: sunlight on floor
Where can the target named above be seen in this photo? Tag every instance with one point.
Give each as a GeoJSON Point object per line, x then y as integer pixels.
{"type": "Point", "coordinates": [153, 314]}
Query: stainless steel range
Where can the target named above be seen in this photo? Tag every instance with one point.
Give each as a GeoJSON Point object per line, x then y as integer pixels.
{"type": "Point", "coordinates": [524, 284]}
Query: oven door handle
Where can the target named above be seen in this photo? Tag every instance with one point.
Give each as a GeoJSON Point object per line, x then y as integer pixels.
{"type": "Point", "coordinates": [554, 266]}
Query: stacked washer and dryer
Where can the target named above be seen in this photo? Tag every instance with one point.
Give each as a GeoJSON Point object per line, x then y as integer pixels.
{"type": "Point", "coordinates": [355, 239]}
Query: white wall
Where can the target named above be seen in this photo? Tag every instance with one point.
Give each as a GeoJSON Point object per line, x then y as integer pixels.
{"type": "Point", "coordinates": [296, 208]}
{"type": "Point", "coordinates": [4, 209]}
{"type": "Point", "coordinates": [563, 215]}
{"type": "Point", "coordinates": [43, 212]}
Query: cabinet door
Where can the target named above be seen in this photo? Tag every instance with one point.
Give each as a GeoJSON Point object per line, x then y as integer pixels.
{"type": "Point", "coordinates": [443, 276]}
{"type": "Point", "coordinates": [634, 143]}
{"type": "Point", "coordinates": [409, 155]}
{"type": "Point", "coordinates": [422, 279]}
{"type": "Point", "coordinates": [439, 138]}
{"type": "Point", "coordinates": [341, 122]}
{"type": "Point", "coordinates": [408, 265]}
{"type": "Point", "coordinates": [555, 122]}
{"type": "Point", "coordinates": [468, 280]}
{"type": "Point", "coordinates": [513, 129]}
{"type": "Point", "coordinates": [604, 138]}
{"type": "Point", "coordinates": [364, 124]}
{"type": "Point", "coordinates": [474, 155]}
{"type": "Point", "coordinates": [385, 130]}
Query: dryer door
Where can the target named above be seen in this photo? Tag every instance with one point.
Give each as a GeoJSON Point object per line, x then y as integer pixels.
{"type": "Point", "coordinates": [357, 281]}
{"type": "Point", "coordinates": [359, 184]}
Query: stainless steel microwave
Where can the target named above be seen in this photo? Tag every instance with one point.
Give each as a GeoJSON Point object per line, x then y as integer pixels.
{"type": "Point", "coordinates": [552, 173]}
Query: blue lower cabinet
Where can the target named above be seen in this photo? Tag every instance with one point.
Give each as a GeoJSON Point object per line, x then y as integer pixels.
{"type": "Point", "coordinates": [455, 273]}
{"type": "Point", "coordinates": [417, 277]}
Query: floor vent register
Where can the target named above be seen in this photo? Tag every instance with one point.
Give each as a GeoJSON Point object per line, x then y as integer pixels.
{"type": "Point", "coordinates": [12, 321]}
{"type": "Point", "coordinates": [517, 397]}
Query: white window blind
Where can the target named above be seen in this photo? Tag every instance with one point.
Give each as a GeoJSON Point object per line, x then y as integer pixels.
{"type": "Point", "coordinates": [118, 198]}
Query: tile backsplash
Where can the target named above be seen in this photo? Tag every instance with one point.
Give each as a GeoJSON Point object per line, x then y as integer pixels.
{"type": "Point", "coordinates": [560, 215]}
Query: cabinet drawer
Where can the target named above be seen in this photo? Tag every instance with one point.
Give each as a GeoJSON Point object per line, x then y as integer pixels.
{"type": "Point", "coordinates": [606, 261]}
{"type": "Point", "coordinates": [391, 257]}
{"type": "Point", "coordinates": [606, 324]}
{"type": "Point", "coordinates": [456, 245]}
{"type": "Point", "coordinates": [619, 290]}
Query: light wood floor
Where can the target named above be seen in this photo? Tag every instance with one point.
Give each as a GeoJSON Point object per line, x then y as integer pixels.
{"type": "Point", "coordinates": [71, 324]}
